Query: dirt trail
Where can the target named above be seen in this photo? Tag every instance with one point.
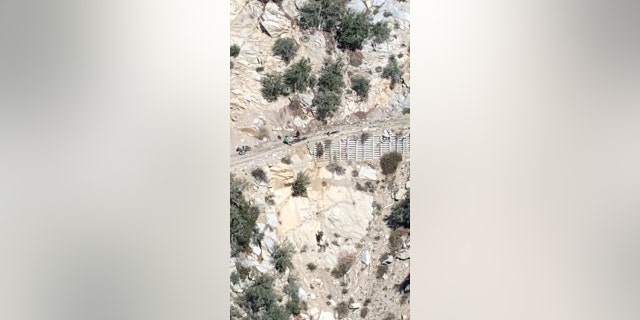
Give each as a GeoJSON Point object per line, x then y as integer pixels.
{"type": "Point", "coordinates": [275, 149]}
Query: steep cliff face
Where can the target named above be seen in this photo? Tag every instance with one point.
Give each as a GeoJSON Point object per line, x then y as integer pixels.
{"type": "Point", "coordinates": [255, 26]}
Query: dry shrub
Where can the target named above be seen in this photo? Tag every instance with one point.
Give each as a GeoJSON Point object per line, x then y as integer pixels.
{"type": "Point", "coordinates": [345, 262]}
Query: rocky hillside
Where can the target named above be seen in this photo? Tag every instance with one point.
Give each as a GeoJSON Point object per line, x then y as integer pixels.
{"type": "Point", "coordinates": [347, 206]}
{"type": "Point", "coordinates": [313, 240]}
{"type": "Point", "coordinates": [256, 26]}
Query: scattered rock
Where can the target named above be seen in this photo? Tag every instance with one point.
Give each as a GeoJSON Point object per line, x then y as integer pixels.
{"type": "Point", "coordinates": [406, 289]}
{"type": "Point", "coordinates": [273, 20]}
{"type": "Point", "coordinates": [357, 6]}
{"type": "Point", "coordinates": [333, 303]}
{"type": "Point", "coordinates": [237, 288]}
{"type": "Point", "coordinates": [399, 195]}
{"type": "Point", "coordinates": [366, 257]}
{"type": "Point", "coordinates": [325, 315]}
{"type": "Point", "coordinates": [355, 305]}
{"type": "Point", "coordinates": [404, 255]}
{"type": "Point", "coordinates": [312, 296]}
{"type": "Point", "coordinates": [301, 294]}
{"type": "Point", "coordinates": [368, 173]}
{"type": "Point", "coordinates": [388, 259]}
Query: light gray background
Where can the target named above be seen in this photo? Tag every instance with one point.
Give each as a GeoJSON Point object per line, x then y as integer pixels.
{"type": "Point", "coordinates": [113, 195]}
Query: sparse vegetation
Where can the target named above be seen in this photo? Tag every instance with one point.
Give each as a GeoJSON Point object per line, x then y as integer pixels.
{"type": "Point", "coordinates": [361, 86]}
{"type": "Point", "coordinates": [321, 14]}
{"type": "Point", "coordinates": [331, 76]}
{"type": "Point", "coordinates": [260, 297]}
{"type": "Point", "coordinates": [342, 309]}
{"type": "Point", "coordinates": [400, 215]}
{"type": "Point", "coordinates": [235, 277]}
{"type": "Point", "coordinates": [311, 266]}
{"type": "Point", "coordinates": [353, 31]}
{"type": "Point", "coordinates": [345, 262]}
{"type": "Point", "coordinates": [286, 160]}
{"type": "Point", "coordinates": [300, 185]}
{"type": "Point", "coordinates": [281, 255]}
{"type": "Point", "coordinates": [296, 77]}
{"type": "Point", "coordinates": [271, 86]}
{"type": "Point", "coordinates": [380, 32]}
{"type": "Point", "coordinates": [392, 71]}
{"type": "Point", "coordinates": [326, 104]}
{"type": "Point", "coordinates": [285, 48]}
{"type": "Point", "coordinates": [363, 312]}
{"type": "Point", "coordinates": [345, 290]}
{"type": "Point", "coordinates": [406, 110]}
{"type": "Point", "coordinates": [293, 306]}
{"type": "Point", "coordinates": [394, 241]}
{"type": "Point", "coordinates": [259, 175]}
{"type": "Point", "coordinates": [235, 50]}
{"type": "Point", "coordinates": [336, 169]}
{"type": "Point", "coordinates": [389, 162]}
{"type": "Point", "coordinates": [354, 173]}
{"type": "Point", "coordinates": [242, 217]}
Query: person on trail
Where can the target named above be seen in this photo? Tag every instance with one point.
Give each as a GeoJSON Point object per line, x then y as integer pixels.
{"type": "Point", "coordinates": [297, 134]}
{"type": "Point", "coordinates": [286, 140]}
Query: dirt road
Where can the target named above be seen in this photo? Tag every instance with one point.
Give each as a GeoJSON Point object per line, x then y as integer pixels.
{"type": "Point", "coordinates": [277, 149]}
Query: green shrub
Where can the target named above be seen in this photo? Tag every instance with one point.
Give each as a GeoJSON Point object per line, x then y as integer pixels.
{"type": "Point", "coordinates": [260, 295]}
{"type": "Point", "coordinates": [321, 14]}
{"type": "Point", "coordinates": [276, 312]}
{"type": "Point", "coordinates": [242, 218]}
{"type": "Point", "coordinates": [400, 215]}
{"type": "Point", "coordinates": [235, 277]}
{"type": "Point", "coordinates": [342, 309]}
{"type": "Point", "coordinates": [406, 111]}
{"type": "Point", "coordinates": [300, 185]}
{"type": "Point", "coordinates": [281, 255]}
{"type": "Point", "coordinates": [331, 76]}
{"type": "Point", "coordinates": [259, 174]}
{"type": "Point", "coordinates": [271, 86]}
{"type": "Point", "coordinates": [361, 86]}
{"type": "Point", "coordinates": [326, 104]}
{"type": "Point", "coordinates": [235, 50]}
{"type": "Point", "coordinates": [285, 48]}
{"type": "Point", "coordinates": [297, 76]}
{"type": "Point", "coordinates": [392, 72]}
{"type": "Point", "coordinates": [380, 32]}
{"type": "Point", "coordinates": [293, 306]}
{"type": "Point", "coordinates": [286, 160]}
{"type": "Point", "coordinates": [353, 31]}
{"type": "Point", "coordinates": [389, 162]}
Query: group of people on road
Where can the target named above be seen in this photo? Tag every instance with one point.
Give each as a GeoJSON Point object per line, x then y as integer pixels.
{"type": "Point", "coordinates": [287, 141]}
